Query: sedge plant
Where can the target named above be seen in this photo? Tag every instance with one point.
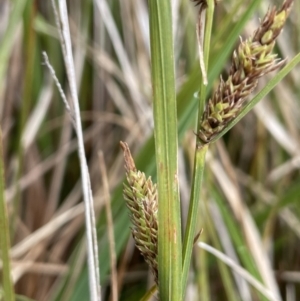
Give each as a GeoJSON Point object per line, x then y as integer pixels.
{"type": "Point", "coordinates": [154, 210]}
{"type": "Point", "coordinates": [46, 259]}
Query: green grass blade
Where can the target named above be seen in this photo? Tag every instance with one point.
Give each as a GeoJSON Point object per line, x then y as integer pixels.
{"type": "Point", "coordinates": [166, 144]}
{"type": "Point", "coordinates": [8, 289]}
{"type": "Point", "coordinates": [199, 162]}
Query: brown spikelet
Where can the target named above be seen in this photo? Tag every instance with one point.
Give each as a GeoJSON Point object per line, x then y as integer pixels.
{"type": "Point", "coordinates": [140, 195]}
{"type": "Point", "coordinates": [252, 59]}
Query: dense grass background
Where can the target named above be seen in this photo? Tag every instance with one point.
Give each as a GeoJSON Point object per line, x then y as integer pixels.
{"type": "Point", "coordinates": [250, 205]}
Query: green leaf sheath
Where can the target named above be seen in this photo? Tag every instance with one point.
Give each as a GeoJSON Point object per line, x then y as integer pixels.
{"type": "Point", "coordinates": [166, 144]}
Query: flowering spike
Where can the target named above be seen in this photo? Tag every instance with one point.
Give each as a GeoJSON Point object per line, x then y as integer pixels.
{"type": "Point", "coordinates": [140, 195]}
{"type": "Point", "coordinates": [250, 61]}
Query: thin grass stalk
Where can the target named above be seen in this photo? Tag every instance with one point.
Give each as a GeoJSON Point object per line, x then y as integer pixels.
{"type": "Point", "coordinates": [8, 289]}
{"type": "Point", "coordinates": [92, 245]}
{"type": "Point", "coordinates": [199, 160]}
{"type": "Point", "coordinates": [199, 165]}
{"type": "Point", "coordinates": [242, 272]}
{"type": "Point", "coordinates": [166, 144]}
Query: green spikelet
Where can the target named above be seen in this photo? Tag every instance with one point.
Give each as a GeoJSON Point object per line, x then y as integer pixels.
{"type": "Point", "coordinates": [140, 195]}
{"type": "Point", "coordinates": [252, 59]}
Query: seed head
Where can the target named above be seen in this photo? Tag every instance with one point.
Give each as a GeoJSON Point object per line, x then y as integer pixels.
{"type": "Point", "coordinates": [252, 59]}
{"type": "Point", "coordinates": [140, 195]}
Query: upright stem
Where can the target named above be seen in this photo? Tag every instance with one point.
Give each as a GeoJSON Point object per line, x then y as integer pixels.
{"type": "Point", "coordinates": [199, 160]}
{"type": "Point", "coordinates": [166, 144]}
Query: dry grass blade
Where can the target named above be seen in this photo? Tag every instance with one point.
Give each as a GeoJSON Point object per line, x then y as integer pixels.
{"type": "Point", "coordinates": [246, 221]}
{"type": "Point", "coordinates": [200, 37]}
{"type": "Point", "coordinates": [48, 229]}
{"type": "Point", "coordinates": [88, 199]}
{"type": "Point", "coordinates": [37, 115]}
{"type": "Point", "coordinates": [242, 272]}
{"type": "Point", "coordinates": [228, 247]}
{"type": "Point", "coordinates": [130, 78]}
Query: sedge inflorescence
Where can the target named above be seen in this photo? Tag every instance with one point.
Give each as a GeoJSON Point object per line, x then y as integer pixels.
{"type": "Point", "coordinates": [252, 59]}
{"type": "Point", "coordinates": [140, 195]}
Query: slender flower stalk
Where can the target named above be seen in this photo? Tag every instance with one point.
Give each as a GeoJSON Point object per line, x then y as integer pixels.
{"type": "Point", "coordinates": [140, 195]}
{"type": "Point", "coordinates": [252, 59]}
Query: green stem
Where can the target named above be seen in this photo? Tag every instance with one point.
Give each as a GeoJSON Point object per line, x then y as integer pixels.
{"type": "Point", "coordinates": [8, 289]}
{"type": "Point", "coordinates": [149, 293]}
{"type": "Point", "coordinates": [199, 161]}
{"type": "Point", "coordinates": [166, 144]}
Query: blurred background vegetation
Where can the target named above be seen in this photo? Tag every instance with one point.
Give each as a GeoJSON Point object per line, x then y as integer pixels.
{"type": "Point", "coordinates": [250, 205]}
